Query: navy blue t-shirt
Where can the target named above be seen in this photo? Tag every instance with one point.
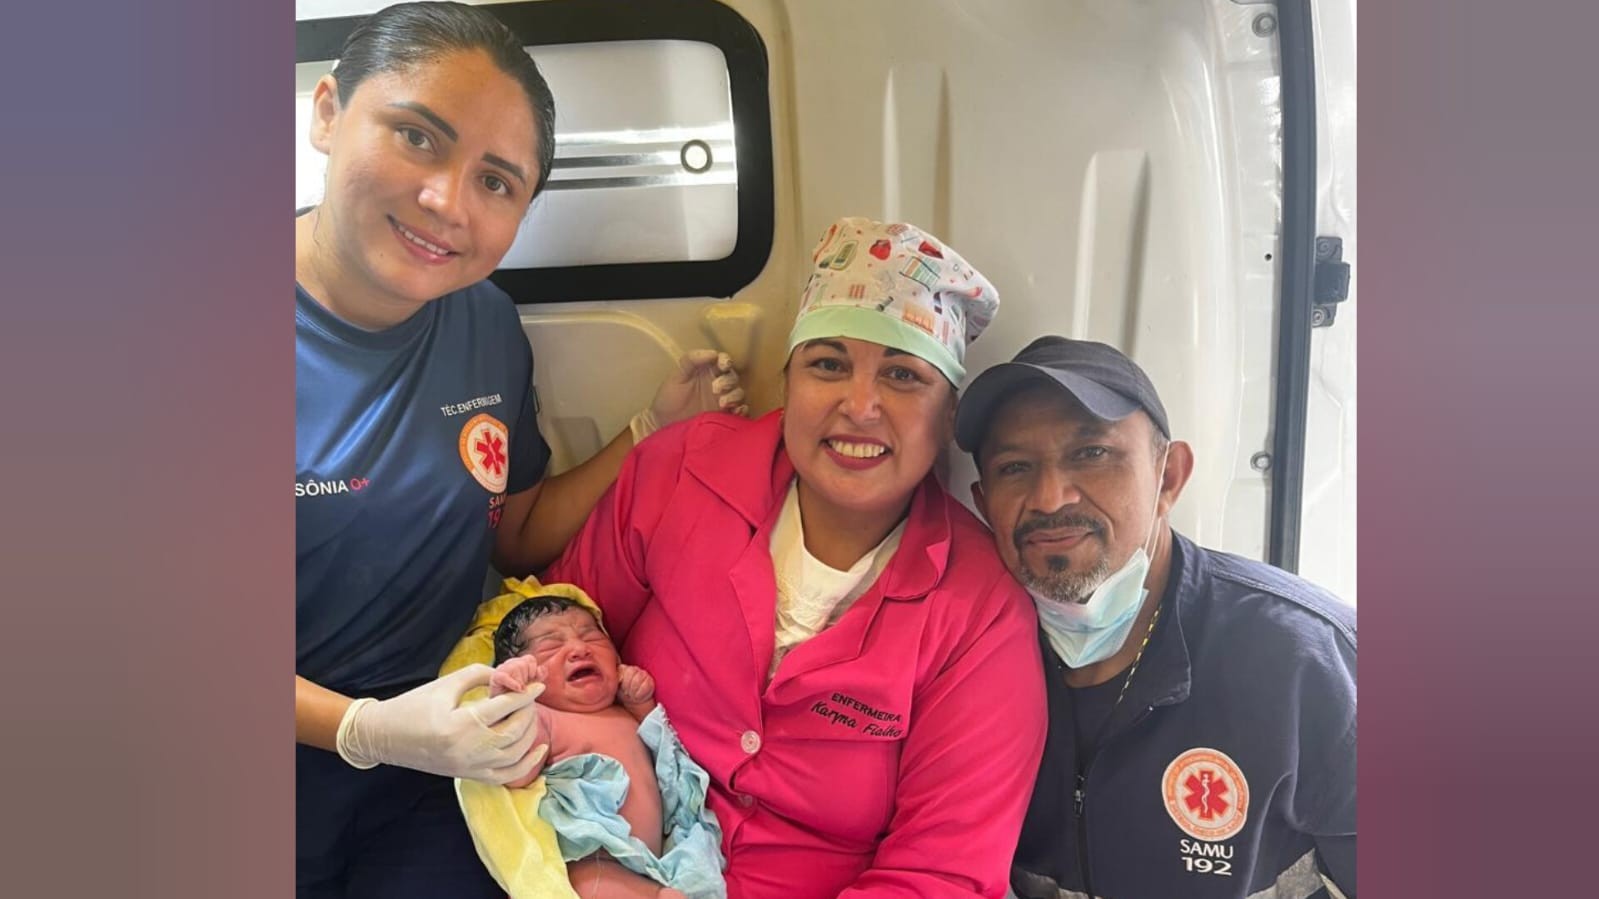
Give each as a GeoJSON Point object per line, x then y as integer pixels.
{"type": "Point", "coordinates": [406, 442]}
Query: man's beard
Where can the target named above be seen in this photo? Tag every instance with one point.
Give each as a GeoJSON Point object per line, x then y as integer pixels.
{"type": "Point", "coordinates": [1063, 585]}
{"type": "Point", "coordinates": [1058, 582]}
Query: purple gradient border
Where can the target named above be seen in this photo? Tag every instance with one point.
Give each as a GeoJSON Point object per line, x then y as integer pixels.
{"type": "Point", "coordinates": [146, 370]}
{"type": "Point", "coordinates": [1477, 421]}
{"type": "Point", "coordinates": [146, 375]}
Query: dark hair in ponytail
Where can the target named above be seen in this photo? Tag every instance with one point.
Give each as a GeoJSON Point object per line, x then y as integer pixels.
{"type": "Point", "coordinates": [406, 35]}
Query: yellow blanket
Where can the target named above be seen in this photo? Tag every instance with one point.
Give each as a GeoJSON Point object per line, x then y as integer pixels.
{"type": "Point", "coordinates": [516, 845]}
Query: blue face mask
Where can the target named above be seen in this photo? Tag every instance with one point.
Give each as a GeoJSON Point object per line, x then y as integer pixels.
{"type": "Point", "coordinates": [1092, 631]}
{"type": "Point", "coordinates": [1083, 633]}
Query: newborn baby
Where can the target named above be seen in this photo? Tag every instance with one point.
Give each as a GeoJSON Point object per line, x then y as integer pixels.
{"type": "Point", "coordinates": [591, 704]}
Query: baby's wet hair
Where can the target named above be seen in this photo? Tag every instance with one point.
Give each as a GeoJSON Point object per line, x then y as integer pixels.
{"type": "Point", "coordinates": [508, 639]}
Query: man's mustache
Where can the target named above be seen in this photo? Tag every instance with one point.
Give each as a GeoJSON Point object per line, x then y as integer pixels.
{"type": "Point", "coordinates": [1055, 521]}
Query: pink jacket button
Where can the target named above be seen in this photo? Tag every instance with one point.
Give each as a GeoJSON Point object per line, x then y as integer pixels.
{"type": "Point", "coordinates": [750, 741]}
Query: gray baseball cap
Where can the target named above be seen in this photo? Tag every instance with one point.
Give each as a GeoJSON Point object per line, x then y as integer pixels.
{"type": "Point", "coordinates": [1108, 384]}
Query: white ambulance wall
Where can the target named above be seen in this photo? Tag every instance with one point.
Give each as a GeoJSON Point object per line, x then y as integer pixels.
{"type": "Point", "coordinates": [1087, 157]}
{"type": "Point", "coordinates": [1327, 540]}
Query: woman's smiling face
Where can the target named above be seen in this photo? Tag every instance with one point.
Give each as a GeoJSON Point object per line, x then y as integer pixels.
{"type": "Point", "coordinates": [430, 172]}
{"type": "Point", "coordinates": [863, 423]}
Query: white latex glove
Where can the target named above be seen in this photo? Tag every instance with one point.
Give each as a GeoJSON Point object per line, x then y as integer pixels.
{"type": "Point", "coordinates": [705, 381]}
{"type": "Point", "coordinates": [427, 729]}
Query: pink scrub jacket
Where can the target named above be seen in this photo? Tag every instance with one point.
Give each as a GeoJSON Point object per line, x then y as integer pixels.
{"type": "Point", "coordinates": [894, 753]}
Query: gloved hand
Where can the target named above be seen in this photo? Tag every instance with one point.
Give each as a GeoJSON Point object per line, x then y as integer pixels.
{"type": "Point", "coordinates": [705, 381]}
{"type": "Point", "coordinates": [427, 729]}
{"type": "Point", "coordinates": [513, 676]}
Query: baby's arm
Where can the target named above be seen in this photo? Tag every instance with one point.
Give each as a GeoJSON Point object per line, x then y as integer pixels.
{"type": "Point", "coordinates": [514, 676]}
{"type": "Point", "coordinates": [635, 690]}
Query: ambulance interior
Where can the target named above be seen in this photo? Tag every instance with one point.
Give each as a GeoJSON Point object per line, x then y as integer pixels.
{"type": "Point", "coordinates": [1173, 177]}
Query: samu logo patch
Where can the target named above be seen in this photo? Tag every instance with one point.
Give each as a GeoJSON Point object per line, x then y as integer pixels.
{"type": "Point", "coordinates": [484, 449]}
{"type": "Point", "coordinates": [1206, 794]}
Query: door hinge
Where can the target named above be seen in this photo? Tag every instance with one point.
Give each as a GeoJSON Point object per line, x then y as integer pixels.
{"type": "Point", "coordinates": [1331, 281]}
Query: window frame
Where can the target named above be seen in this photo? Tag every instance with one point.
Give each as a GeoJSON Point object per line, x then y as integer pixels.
{"type": "Point", "coordinates": [554, 22]}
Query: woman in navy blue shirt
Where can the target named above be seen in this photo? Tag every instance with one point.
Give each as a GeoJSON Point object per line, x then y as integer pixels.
{"type": "Point", "coordinates": [418, 458]}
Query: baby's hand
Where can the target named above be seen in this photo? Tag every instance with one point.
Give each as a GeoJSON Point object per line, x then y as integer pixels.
{"type": "Point", "coordinates": [634, 686]}
{"type": "Point", "coordinates": [515, 675]}
{"type": "Point", "coordinates": [518, 675]}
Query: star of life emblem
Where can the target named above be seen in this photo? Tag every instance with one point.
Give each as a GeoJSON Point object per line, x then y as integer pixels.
{"type": "Point", "coordinates": [485, 450]}
{"type": "Point", "coordinates": [1206, 794]}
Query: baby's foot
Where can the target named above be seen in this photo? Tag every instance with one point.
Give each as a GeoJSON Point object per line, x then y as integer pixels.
{"type": "Point", "coordinates": [515, 675]}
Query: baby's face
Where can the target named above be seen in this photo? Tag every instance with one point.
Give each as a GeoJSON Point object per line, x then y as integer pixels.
{"type": "Point", "coordinates": [579, 660]}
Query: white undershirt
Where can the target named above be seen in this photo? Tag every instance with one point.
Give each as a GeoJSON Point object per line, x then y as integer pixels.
{"type": "Point", "coordinates": [811, 596]}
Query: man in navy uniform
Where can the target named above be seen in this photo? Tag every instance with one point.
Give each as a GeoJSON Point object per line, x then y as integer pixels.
{"type": "Point", "coordinates": [1202, 706]}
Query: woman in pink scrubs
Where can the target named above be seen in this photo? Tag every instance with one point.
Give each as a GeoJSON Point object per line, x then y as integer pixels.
{"type": "Point", "coordinates": [833, 635]}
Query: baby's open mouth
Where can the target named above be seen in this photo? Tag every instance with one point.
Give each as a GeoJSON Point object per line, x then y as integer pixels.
{"type": "Point", "coordinates": [583, 672]}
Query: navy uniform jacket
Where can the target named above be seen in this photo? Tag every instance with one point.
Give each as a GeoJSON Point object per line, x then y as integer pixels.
{"type": "Point", "coordinates": [1227, 770]}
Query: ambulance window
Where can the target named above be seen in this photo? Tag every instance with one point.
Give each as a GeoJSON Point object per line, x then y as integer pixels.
{"type": "Point", "coordinates": [646, 168]}
{"type": "Point", "coordinates": [662, 182]}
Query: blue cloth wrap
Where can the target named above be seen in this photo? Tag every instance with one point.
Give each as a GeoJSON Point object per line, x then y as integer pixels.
{"type": "Point", "coordinates": [583, 802]}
